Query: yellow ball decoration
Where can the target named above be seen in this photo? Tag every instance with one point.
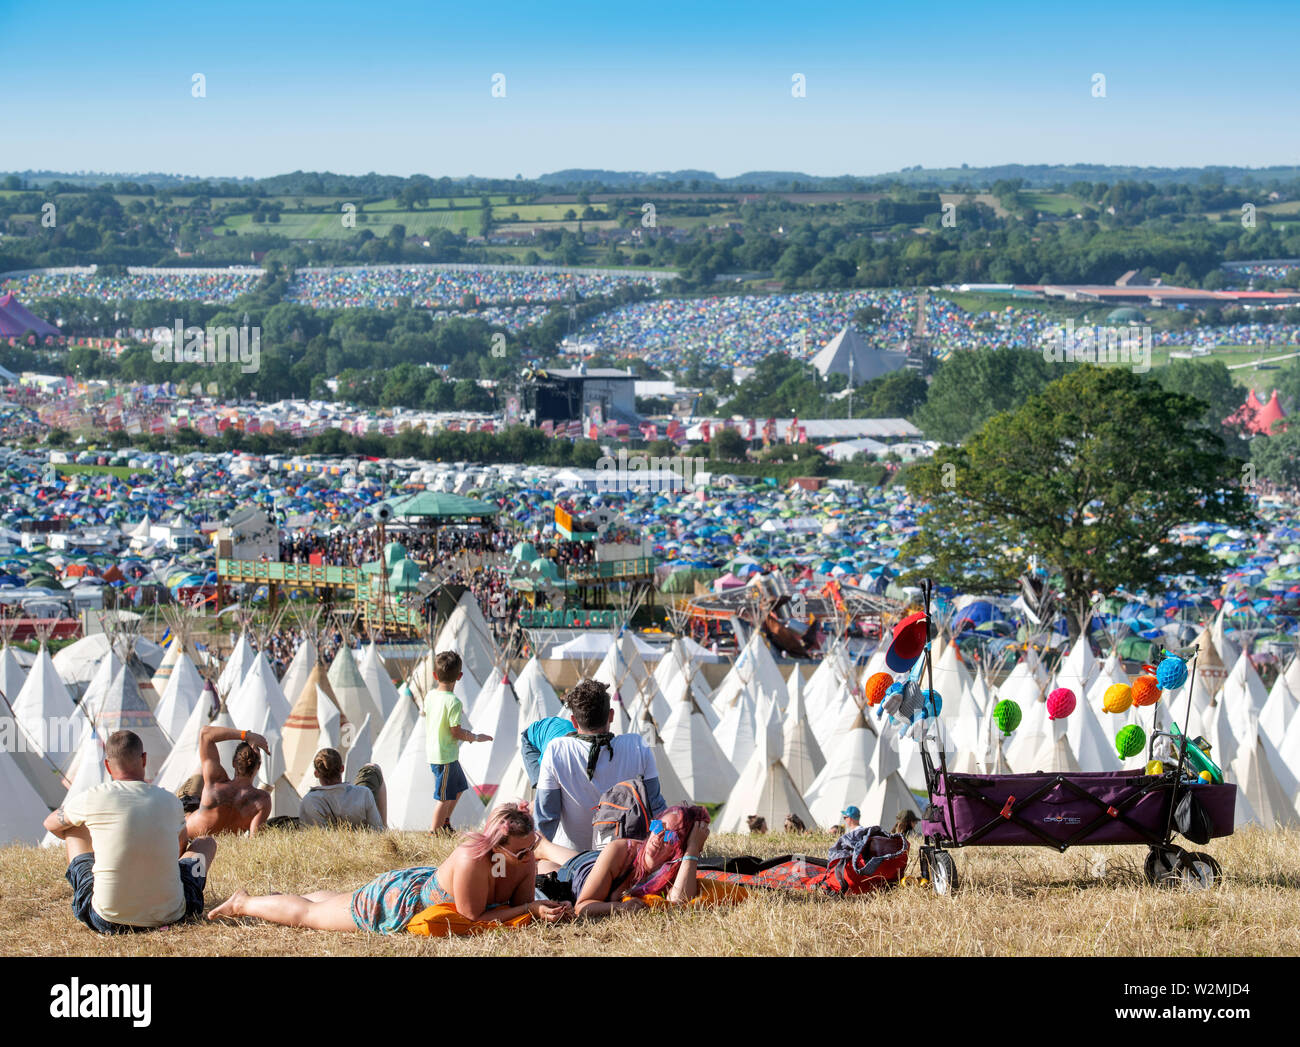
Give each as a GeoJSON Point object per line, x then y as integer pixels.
{"type": "Point", "coordinates": [1118, 698]}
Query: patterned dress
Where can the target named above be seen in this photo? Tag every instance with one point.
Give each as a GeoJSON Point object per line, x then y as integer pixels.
{"type": "Point", "coordinates": [389, 902]}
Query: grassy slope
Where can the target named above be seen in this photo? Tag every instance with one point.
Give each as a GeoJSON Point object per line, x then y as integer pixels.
{"type": "Point", "coordinates": [1012, 902]}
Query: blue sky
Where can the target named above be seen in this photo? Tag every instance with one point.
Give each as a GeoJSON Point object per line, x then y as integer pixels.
{"type": "Point", "coordinates": [406, 87]}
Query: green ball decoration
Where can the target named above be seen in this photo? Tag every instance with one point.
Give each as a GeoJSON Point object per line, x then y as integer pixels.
{"type": "Point", "coordinates": [1006, 714]}
{"type": "Point", "coordinates": [1130, 741]}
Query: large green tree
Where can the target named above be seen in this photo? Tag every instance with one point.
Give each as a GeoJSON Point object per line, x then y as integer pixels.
{"type": "Point", "coordinates": [1089, 476]}
{"type": "Point", "coordinates": [1211, 382]}
{"type": "Point", "coordinates": [970, 387]}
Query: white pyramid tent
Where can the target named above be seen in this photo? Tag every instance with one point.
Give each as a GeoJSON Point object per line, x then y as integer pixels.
{"type": "Point", "coordinates": [1244, 695]}
{"type": "Point", "coordinates": [845, 779]}
{"type": "Point", "coordinates": [109, 666]}
{"type": "Point", "coordinates": [393, 736]}
{"type": "Point", "coordinates": [536, 695]}
{"type": "Point", "coordinates": [1079, 668]}
{"type": "Point", "coordinates": [1027, 740]}
{"type": "Point", "coordinates": [12, 675]}
{"type": "Point", "coordinates": [1288, 753]}
{"type": "Point", "coordinates": [23, 810]}
{"type": "Point", "coordinates": [737, 732]}
{"type": "Point", "coordinates": [236, 665]}
{"type": "Point", "coordinates": [383, 694]}
{"type": "Point", "coordinates": [801, 754]}
{"type": "Point", "coordinates": [123, 708]}
{"type": "Point", "coordinates": [173, 651]}
{"type": "Point", "coordinates": [1229, 652]}
{"type": "Point", "coordinates": [849, 355]}
{"type": "Point", "coordinates": [410, 792]}
{"type": "Point", "coordinates": [1210, 666]}
{"type": "Point", "coordinates": [670, 786]}
{"type": "Point", "coordinates": [631, 685]}
{"type": "Point", "coordinates": [1261, 798]}
{"type": "Point", "coordinates": [360, 752]}
{"type": "Point", "coordinates": [260, 706]}
{"type": "Point", "coordinates": [183, 761]}
{"type": "Point", "coordinates": [183, 691]}
{"type": "Point", "coordinates": [350, 688]}
{"type": "Point", "coordinates": [1221, 735]}
{"type": "Point", "coordinates": [764, 788]}
{"type": "Point", "coordinates": [695, 756]}
{"type": "Point", "coordinates": [44, 729]}
{"type": "Point", "coordinates": [1055, 754]}
{"type": "Point", "coordinates": [888, 796]}
{"type": "Point", "coordinates": [497, 714]}
{"type": "Point", "coordinates": [1278, 711]}
{"type": "Point", "coordinates": [301, 732]}
{"type": "Point", "coordinates": [1027, 682]}
{"type": "Point", "coordinates": [953, 681]}
{"type": "Point", "coordinates": [259, 696]}
{"type": "Point", "coordinates": [963, 734]}
{"type": "Point", "coordinates": [300, 667]}
{"type": "Point", "coordinates": [1292, 674]}
{"type": "Point", "coordinates": [466, 632]}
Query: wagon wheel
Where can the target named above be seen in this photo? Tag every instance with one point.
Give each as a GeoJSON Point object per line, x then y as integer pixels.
{"type": "Point", "coordinates": [939, 868]}
{"type": "Point", "coordinates": [1201, 871]}
{"type": "Point", "coordinates": [1162, 864]}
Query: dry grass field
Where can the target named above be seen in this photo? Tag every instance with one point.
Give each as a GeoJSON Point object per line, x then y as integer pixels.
{"type": "Point", "coordinates": [1012, 902]}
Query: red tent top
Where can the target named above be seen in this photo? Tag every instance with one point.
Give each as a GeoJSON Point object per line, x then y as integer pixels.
{"type": "Point", "coordinates": [1268, 414]}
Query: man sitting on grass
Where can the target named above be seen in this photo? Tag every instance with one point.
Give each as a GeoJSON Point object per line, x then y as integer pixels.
{"type": "Point", "coordinates": [333, 802]}
{"type": "Point", "coordinates": [230, 805]}
{"type": "Point", "coordinates": [579, 767]}
{"type": "Point", "coordinates": [123, 839]}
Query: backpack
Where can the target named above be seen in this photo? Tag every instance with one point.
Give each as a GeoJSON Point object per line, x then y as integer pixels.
{"type": "Point", "coordinates": [623, 813]}
{"type": "Point", "coordinates": [1191, 818]}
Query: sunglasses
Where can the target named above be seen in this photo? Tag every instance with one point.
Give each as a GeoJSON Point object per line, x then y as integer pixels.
{"type": "Point", "coordinates": [669, 835]}
{"type": "Point", "coordinates": [519, 855]}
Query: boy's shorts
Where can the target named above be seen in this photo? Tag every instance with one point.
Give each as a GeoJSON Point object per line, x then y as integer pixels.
{"type": "Point", "coordinates": [449, 780]}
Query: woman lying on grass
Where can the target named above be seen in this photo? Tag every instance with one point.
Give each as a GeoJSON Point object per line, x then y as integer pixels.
{"type": "Point", "coordinates": [489, 878]}
{"type": "Point", "coordinates": [617, 878]}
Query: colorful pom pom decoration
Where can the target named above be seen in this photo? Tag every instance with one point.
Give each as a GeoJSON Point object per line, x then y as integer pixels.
{"type": "Point", "coordinates": [1145, 691]}
{"type": "Point", "coordinates": [1060, 703]}
{"type": "Point", "coordinates": [1118, 698]}
{"type": "Point", "coordinates": [1006, 714]}
{"type": "Point", "coordinates": [1130, 740]}
{"type": "Point", "coordinates": [876, 687]}
{"type": "Point", "coordinates": [1171, 673]}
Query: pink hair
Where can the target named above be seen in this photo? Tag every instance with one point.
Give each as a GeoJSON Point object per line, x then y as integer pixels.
{"type": "Point", "coordinates": [682, 820]}
{"type": "Point", "coordinates": [509, 819]}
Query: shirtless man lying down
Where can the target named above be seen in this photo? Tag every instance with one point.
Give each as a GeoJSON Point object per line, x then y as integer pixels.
{"type": "Point", "coordinates": [229, 805]}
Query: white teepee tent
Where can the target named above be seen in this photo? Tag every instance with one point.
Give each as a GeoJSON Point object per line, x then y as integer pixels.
{"type": "Point", "coordinates": [888, 796]}
{"type": "Point", "coordinates": [349, 687]}
{"type": "Point", "coordinates": [383, 694]}
{"type": "Point", "coordinates": [801, 754]}
{"type": "Point", "coordinates": [496, 714]}
{"type": "Point", "coordinates": [695, 756]}
{"type": "Point", "coordinates": [182, 693]}
{"type": "Point", "coordinates": [410, 792]}
{"type": "Point", "coordinates": [847, 775]}
{"type": "Point", "coordinates": [765, 789]}
{"type": "Point", "coordinates": [236, 665]}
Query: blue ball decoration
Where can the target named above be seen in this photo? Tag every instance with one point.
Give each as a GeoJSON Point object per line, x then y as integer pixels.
{"type": "Point", "coordinates": [1171, 673]}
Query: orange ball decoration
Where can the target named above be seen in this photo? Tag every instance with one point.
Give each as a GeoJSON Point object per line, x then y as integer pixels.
{"type": "Point", "coordinates": [876, 687]}
{"type": "Point", "coordinates": [1145, 691]}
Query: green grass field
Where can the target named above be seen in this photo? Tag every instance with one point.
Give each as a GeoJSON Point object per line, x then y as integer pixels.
{"type": "Point", "coordinates": [305, 226]}
{"type": "Point", "coordinates": [1053, 203]}
{"type": "Point", "coordinates": [118, 472]}
{"type": "Point", "coordinates": [1026, 901]}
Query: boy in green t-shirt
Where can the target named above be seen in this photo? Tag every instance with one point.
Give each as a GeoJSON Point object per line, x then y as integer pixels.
{"type": "Point", "coordinates": [443, 735]}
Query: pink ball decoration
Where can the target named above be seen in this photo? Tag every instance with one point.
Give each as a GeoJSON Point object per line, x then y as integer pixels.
{"type": "Point", "coordinates": [1060, 703]}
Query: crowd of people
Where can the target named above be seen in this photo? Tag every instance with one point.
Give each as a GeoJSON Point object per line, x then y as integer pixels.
{"type": "Point", "coordinates": [433, 286]}
{"type": "Point", "coordinates": [139, 857]}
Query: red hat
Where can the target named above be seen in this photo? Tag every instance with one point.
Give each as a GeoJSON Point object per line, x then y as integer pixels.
{"type": "Point", "coordinates": [910, 637]}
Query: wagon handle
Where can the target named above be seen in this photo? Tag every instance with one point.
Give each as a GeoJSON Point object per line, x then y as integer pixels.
{"type": "Point", "coordinates": [1182, 750]}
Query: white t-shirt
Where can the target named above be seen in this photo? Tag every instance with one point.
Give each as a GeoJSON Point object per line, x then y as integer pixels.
{"type": "Point", "coordinates": [564, 767]}
{"type": "Point", "coordinates": [134, 829]}
{"type": "Point", "coordinates": [349, 804]}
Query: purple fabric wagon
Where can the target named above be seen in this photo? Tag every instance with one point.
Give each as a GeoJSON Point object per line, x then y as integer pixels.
{"type": "Point", "coordinates": [1062, 810]}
